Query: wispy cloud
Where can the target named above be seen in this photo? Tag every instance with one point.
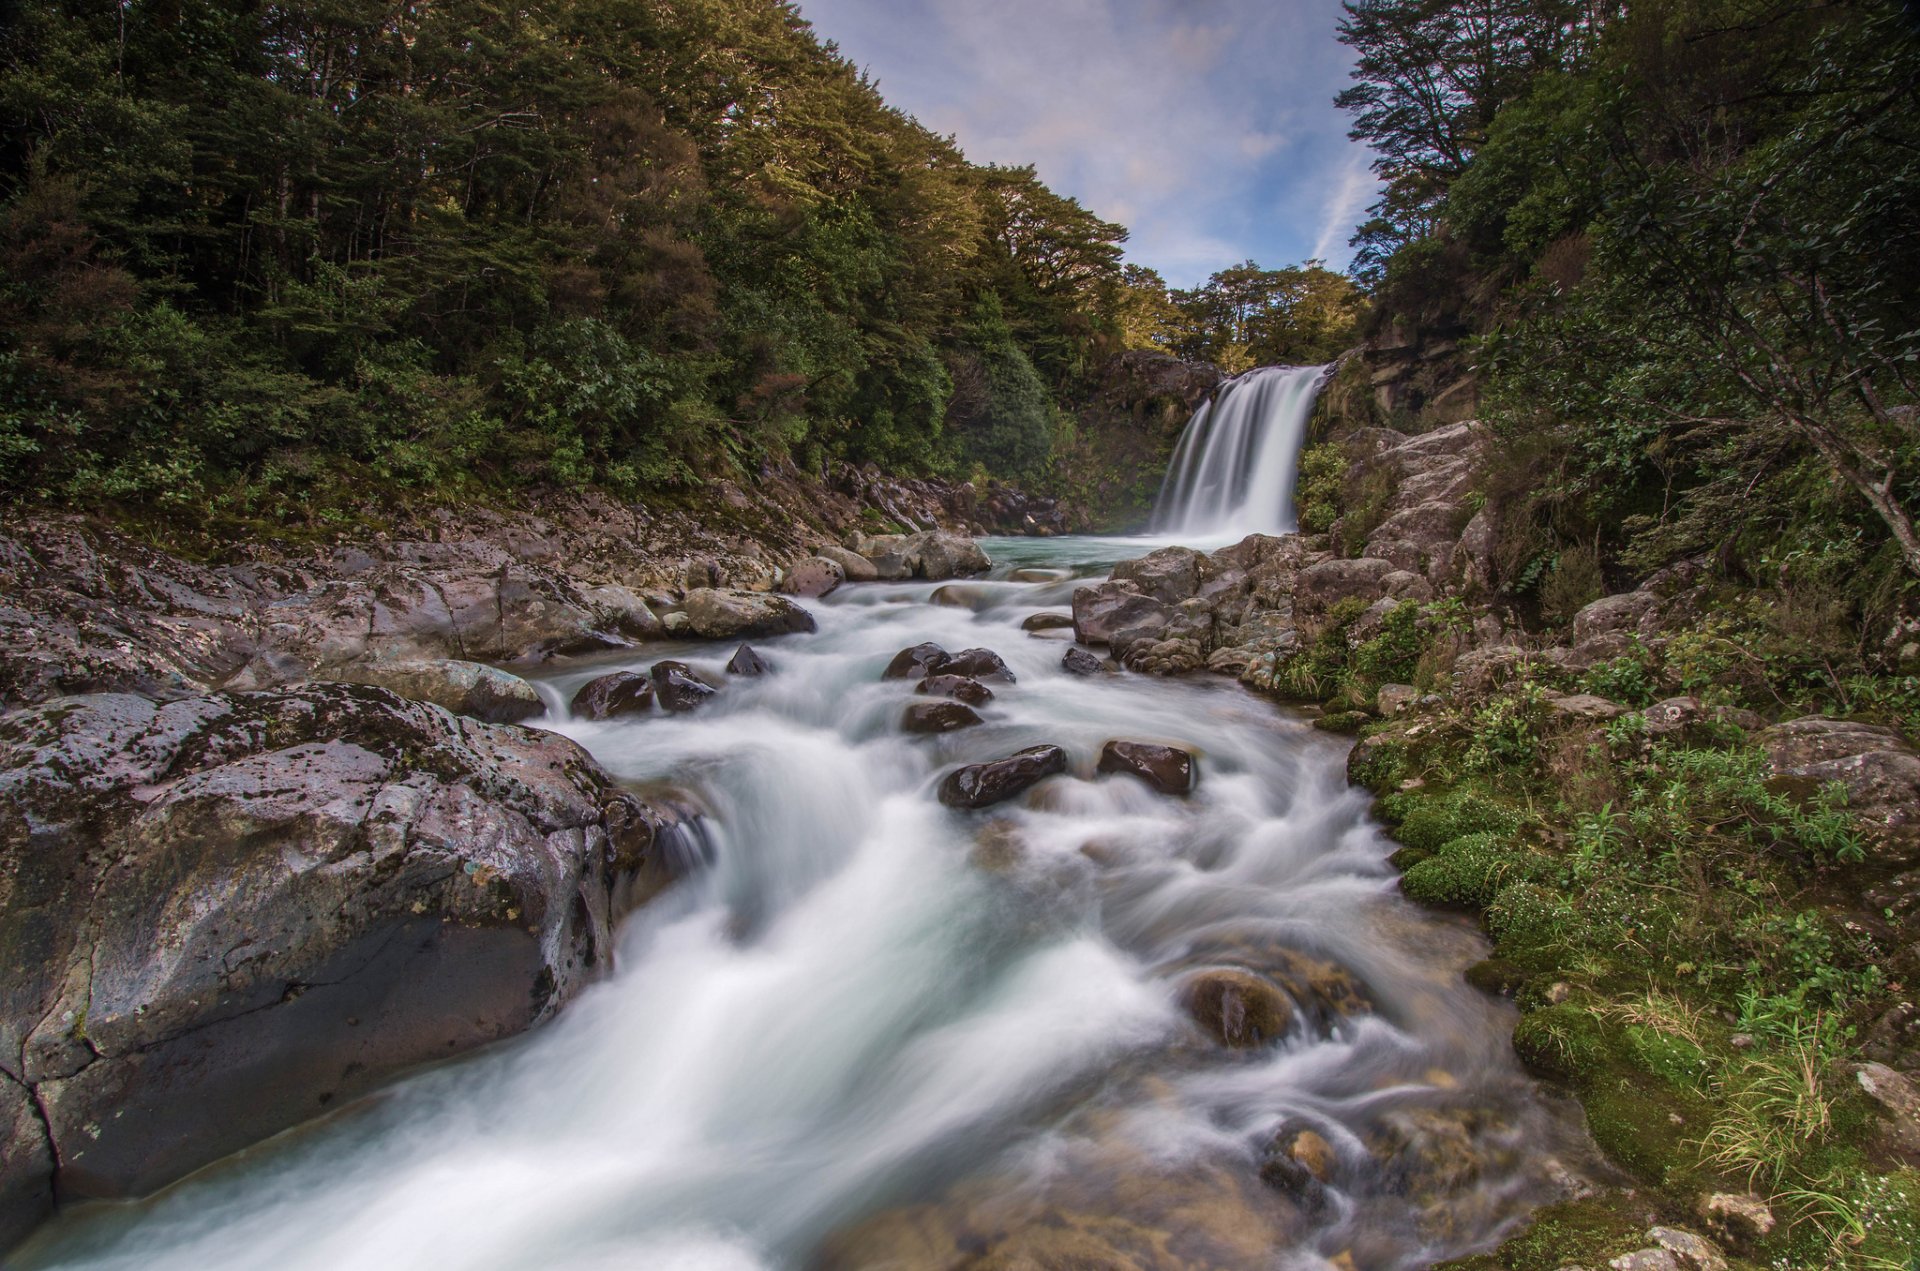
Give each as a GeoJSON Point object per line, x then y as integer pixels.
{"type": "Point", "coordinates": [1346, 199]}
{"type": "Point", "coordinates": [1206, 126]}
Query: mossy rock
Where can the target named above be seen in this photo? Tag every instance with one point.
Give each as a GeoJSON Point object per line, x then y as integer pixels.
{"type": "Point", "coordinates": [1497, 976]}
{"type": "Point", "coordinates": [1587, 1232]}
{"type": "Point", "coordinates": [1525, 916]}
{"type": "Point", "coordinates": [1342, 721]}
{"type": "Point", "coordinates": [1407, 857]}
{"type": "Point", "coordinates": [1647, 1127]}
{"type": "Point", "coordinates": [1466, 873]}
{"type": "Point", "coordinates": [1565, 1042]}
{"type": "Point", "coordinates": [1427, 820]}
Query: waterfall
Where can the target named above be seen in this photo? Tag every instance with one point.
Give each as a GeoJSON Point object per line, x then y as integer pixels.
{"type": "Point", "coordinates": [1233, 471]}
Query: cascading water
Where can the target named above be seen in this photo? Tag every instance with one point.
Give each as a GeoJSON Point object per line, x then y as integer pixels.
{"type": "Point", "coordinates": [1233, 469]}
{"type": "Point", "coordinates": [877, 1031]}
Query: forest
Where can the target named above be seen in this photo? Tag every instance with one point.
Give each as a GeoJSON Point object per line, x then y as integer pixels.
{"type": "Point", "coordinates": [254, 258]}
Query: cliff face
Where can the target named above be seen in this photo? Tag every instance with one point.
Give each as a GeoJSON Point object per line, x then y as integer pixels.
{"type": "Point", "coordinates": [1408, 376]}
{"type": "Point", "coordinates": [1125, 431]}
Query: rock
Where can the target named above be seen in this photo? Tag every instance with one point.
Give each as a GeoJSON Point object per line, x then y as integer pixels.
{"type": "Point", "coordinates": [1880, 771]}
{"type": "Point", "coordinates": [982, 784]}
{"type": "Point", "coordinates": [854, 567]}
{"type": "Point", "coordinates": [465, 688]}
{"type": "Point", "coordinates": [1898, 1099]}
{"type": "Point", "coordinates": [1039, 576]}
{"type": "Point", "coordinates": [979, 664]}
{"type": "Point", "coordinates": [1238, 1008]}
{"type": "Point", "coordinates": [1077, 661]}
{"type": "Point", "coordinates": [1046, 622]}
{"type": "Point", "coordinates": [1167, 769]}
{"type": "Point", "coordinates": [1104, 608]}
{"type": "Point", "coordinates": [1583, 706]}
{"type": "Point", "coordinates": [944, 555]}
{"type": "Point", "coordinates": [747, 661]}
{"type": "Point", "coordinates": [717, 614]}
{"type": "Point", "coordinates": [1320, 587]}
{"type": "Point", "coordinates": [1619, 614]}
{"type": "Point", "coordinates": [1169, 575]}
{"type": "Point", "coordinates": [814, 576]}
{"type": "Point", "coordinates": [610, 696]}
{"type": "Point", "coordinates": [1394, 698]}
{"type": "Point", "coordinates": [916, 663]}
{"type": "Point", "coordinates": [1646, 1260]}
{"type": "Point", "coordinates": [620, 608]}
{"type": "Point", "coordinates": [959, 596]}
{"type": "Point", "coordinates": [266, 904]}
{"type": "Point", "coordinates": [959, 687]}
{"type": "Point", "coordinates": [1741, 1221]}
{"type": "Point", "coordinates": [1691, 1251]}
{"type": "Point", "coordinates": [1297, 1158]}
{"type": "Point", "coordinates": [678, 688]}
{"type": "Point", "coordinates": [937, 717]}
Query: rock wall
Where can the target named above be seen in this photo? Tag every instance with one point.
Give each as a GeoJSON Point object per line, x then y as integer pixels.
{"type": "Point", "coordinates": [226, 913]}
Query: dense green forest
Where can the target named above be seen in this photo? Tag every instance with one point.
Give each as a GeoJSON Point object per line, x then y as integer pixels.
{"type": "Point", "coordinates": [1688, 233]}
{"type": "Point", "coordinates": [252, 256]}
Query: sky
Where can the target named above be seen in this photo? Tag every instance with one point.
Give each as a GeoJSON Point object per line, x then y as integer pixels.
{"type": "Point", "coordinates": [1207, 127]}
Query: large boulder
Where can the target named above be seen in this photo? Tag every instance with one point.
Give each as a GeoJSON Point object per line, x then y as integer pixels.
{"type": "Point", "coordinates": [1878, 768]}
{"type": "Point", "coordinates": [983, 784]}
{"type": "Point", "coordinates": [715, 613]}
{"type": "Point", "coordinates": [465, 688]}
{"type": "Point", "coordinates": [1171, 574]}
{"type": "Point", "coordinates": [229, 913]}
{"type": "Point", "coordinates": [1168, 769]}
{"type": "Point", "coordinates": [814, 576]}
{"type": "Point", "coordinates": [854, 567]}
{"type": "Point", "coordinates": [1318, 588]}
{"type": "Point", "coordinates": [611, 696]}
{"type": "Point", "coordinates": [1101, 610]}
{"type": "Point", "coordinates": [678, 688]}
{"type": "Point", "coordinates": [962, 688]}
{"type": "Point", "coordinates": [934, 555]}
{"type": "Point", "coordinates": [939, 716]}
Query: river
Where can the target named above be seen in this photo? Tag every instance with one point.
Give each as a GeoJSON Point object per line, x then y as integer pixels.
{"type": "Point", "coordinates": [874, 1031]}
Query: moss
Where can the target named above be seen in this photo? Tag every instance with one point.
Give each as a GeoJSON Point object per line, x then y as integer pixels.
{"type": "Point", "coordinates": [1525, 916]}
{"type": "Point", "coordinates": [1341, 721]}
{"type": "Point", "coordinates": [1647, 1128]}
{"type": "Point", "coordinates": [1429, 822]}
{"type": "Point", "coordinates": [1465, 873]}
{"type": "Point", "coordinates": [1586, 1232]}
{"type": "Point", "coordinates": [1407, 857]}
{"type": "Point", "coordinates": [1565, 1042]}
{"type": "Point", "coordinates": [1497, 975]}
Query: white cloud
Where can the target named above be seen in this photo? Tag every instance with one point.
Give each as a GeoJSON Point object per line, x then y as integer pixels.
{"type": "Point", "coordinates": [1346, 199]}
{"type": "Point", "coordinates": [1187, 120]}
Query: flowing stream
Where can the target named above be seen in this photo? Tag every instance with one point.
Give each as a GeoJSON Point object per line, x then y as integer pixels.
{"type": "Point", "coordinates": [1233, 469]}
{"type": "Point", "coordinates": [878, 1032]}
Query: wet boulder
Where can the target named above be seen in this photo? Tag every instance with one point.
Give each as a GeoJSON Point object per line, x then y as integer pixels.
{"type": "Point", "coordinates": [1239, 1009]}
{"type": "Point", "coordinates": [465, 688]}
{"type": "Point", "coordinates": [1298, 1159]}
{"type": "Point", "coordinates": [944, 555]}
{"type": "Point", "coordinates": [265, 904]}
{"type": "Point", "coordinates": [715, 613]}
{"type": "Point", "coordinates": [979, 664]}
{"type": "Point", "coordinates": [815, 576]}
{"type": "Point", "coordinates": [1167, 769]}
{"type": "Point", "coordinates": [959, 687]}
{"type": "Point", "coordinates": [1046, 622]}
{"type": "Point", "coordinates": [915, 663]}
{"type": "Point", "coordinates": [937, 717]}
{"type": "Point", "coordinates": [678, 688]}
{"type": "Point", "coordinates": [983, 784]}
{"type": "Point", "coordinates": [1318, 588]}
{"type": "Point", "coordinates": [854, 567]}
{"type": "Point", "coordinates": [1103, 609]}
{"type": "Point", "coordinates": [1170, 575]}
{"type": "Point", "coordinates": [1879, 770]}
{"type": "Point", "coordinates": [1077, 661]}
{"type": "Point", "coordinates": [611, 696]}
{"type": "Point", "coordinates": [747, 661]}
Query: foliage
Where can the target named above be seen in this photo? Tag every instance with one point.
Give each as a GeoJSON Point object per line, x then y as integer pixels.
{"type": "Point", "coordinates": [247, 253]}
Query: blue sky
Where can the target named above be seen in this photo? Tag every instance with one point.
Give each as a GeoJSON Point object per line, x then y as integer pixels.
{"type": "Point", "coordinates": [1207, 127]}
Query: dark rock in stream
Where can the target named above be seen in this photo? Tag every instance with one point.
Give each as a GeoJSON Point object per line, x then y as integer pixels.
{"type": "Point", "coordinates": [610, 696]}
{"type": "Point", "coordinates": [959, 687]}
{"type": "Point", "coordinates": [1239, 1009]}
{"type": "Point", "coordinates": [918, 662]}
{"type": "Point", "coordinates": [937, 717]}
{"type": "Point", "coordinates": [228, 913]}
{"type": "Point", "coordinates": [678, 687]}
{"type": "Point", "coordinates": [1077, 661]}
{"type": "Point", "coordinates": [983, 784]}
{"type": "Point", "coordinates": [747, 661]}
{"type": "Point", "coordinates": [980, 664]}
{"type": "Point", "coordinates": [1167, 769]}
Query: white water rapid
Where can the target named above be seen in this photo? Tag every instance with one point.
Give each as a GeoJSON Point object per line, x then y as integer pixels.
{"type": "Point", "coordinates": [1233, 469]}
{"type": "Point", "coordinates": [879, 1032]}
